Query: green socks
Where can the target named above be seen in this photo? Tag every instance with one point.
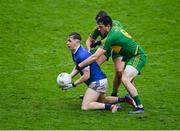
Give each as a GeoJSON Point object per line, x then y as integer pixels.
{"type": "Point", "coordinates": [138, 101]}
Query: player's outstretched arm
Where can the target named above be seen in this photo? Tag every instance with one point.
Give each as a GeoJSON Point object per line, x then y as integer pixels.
{"type": "Point", "coordinates": [92, 58]}
{"type": "Point", "coordinates": [84, 77]}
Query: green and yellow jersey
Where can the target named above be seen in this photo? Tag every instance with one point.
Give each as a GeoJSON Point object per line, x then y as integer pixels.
{"type": "Point", "coordinates": [120, 42]}
{"type": "Point", "coordinates": [96, 33]}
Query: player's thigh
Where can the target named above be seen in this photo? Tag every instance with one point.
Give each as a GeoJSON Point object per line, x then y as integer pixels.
{"type": "Point", "coordinates": [90, 96]}
{"type": "Point", "coordinates": [129, 73]}
{"type": "Point", "coordinates": [99, 86]}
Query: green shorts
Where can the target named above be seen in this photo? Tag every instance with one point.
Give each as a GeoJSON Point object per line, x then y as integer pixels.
{"type": "Point", "coordinates": [137, 61]}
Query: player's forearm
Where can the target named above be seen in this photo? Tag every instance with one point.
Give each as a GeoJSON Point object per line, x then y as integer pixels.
{"type": "Point", "coordinates": [82, 79]}
{"type": "Point", "coordinates": [88, 61]}
{"type": "Point", "coordinates": [74, 72]}
{"type": "Point", "coordinates": [92, 58]}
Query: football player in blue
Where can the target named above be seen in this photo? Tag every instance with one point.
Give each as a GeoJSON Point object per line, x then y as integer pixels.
{"type": "Point", "coordinates": [95, 95]}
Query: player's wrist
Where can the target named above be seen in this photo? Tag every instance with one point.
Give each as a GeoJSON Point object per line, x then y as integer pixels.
{"type": "Point", "coordinates": [73, 84]}
{"type": "Point", "coordinates": [78, 67]}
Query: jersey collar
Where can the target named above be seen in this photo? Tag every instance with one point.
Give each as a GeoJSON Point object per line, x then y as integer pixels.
{"type": "Point", "coordinates": [76, 49]}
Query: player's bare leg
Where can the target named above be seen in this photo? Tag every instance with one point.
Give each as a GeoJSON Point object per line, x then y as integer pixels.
{"type": "Point", "coordinates": [127, 78]}
{"type": "Point", "coordinates": [118, 66]}
{"type": "Point", "coordinates": [90, 102]}
{"type": "Point", "coordinates": [113, 99]}
{"type": "Point", "coordinates": [107, 99]}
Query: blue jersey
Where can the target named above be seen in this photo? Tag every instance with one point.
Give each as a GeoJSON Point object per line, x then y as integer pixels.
{"type": "Point", "coordinates": [95, 72]}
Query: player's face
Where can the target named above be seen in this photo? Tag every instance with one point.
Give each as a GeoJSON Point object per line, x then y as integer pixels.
{"type": "Point", "coordinates": [103, 29]}
{"type": "Point", "coordinates": [71, 43]}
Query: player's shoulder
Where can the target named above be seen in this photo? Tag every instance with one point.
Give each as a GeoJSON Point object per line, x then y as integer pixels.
{"type": "Point", "coordinates": [117, 23]}
{"type": "Point", "coordinates": [115, 32]}
{"type": "Point", "coordinates": [82, 49]}
{"type": "Point", "coordinates": [94, 33]}
{"type": "Point", "coordinates": [113, 35]}
{"type": "Point", "coordinates": [83, 53]}
{"type": "Point", "coordinates": [94, 30]}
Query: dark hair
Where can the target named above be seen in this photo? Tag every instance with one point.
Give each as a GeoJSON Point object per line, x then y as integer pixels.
{"type": "Point", "coordinates": [75, 35]}
{"type": "Point", "coordinates": [101, 14]}
{"type": "Point", "coordinates": [105, 20]}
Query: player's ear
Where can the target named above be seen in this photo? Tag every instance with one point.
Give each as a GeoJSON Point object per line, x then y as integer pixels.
{"type": "Point", "coordinates": [77, 41]}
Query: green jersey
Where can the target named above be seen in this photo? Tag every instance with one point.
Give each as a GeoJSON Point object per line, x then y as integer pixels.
{"type": "Point", "coordinates": [119, 41]}
{"type": "Point", "coordinates": [95, 32]}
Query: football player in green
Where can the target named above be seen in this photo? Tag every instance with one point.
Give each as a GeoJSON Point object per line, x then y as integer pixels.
{"type": "Point", "coordinates": [93, 43]}
{"type": "Point", "coordinates": [119, 41]}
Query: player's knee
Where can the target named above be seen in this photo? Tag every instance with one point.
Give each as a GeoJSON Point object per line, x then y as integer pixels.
{"type": "Point", "coordinates": [125, 80]}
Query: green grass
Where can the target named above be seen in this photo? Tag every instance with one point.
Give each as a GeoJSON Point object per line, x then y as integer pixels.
{"type": "Point", "coordinates": [33, 52]}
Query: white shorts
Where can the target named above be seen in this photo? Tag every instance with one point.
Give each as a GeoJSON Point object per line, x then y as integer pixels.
{"type": "Point", "coordinates": [131, 70]}
{"type": "Point", "coordinates": [99, 86]}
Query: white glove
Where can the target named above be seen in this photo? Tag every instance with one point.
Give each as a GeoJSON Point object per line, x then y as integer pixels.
{"type": "Point", "coordinates": [68, 86]}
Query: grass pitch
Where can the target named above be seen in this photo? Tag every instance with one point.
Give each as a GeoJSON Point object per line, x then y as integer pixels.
{"type": "Point", "coordinates": [33, 52]}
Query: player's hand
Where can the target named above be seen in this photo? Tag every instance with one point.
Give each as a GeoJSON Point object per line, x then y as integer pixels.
{"type": "Point", "coordinates": [68, 86]}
